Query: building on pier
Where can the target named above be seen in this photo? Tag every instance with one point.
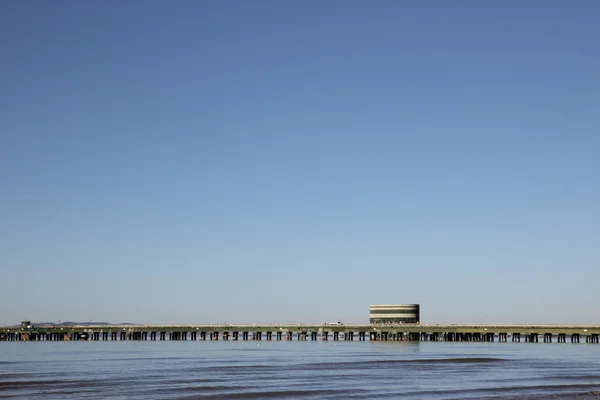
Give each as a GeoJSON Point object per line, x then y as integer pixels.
{"type": "Point", "coordinates": [389, 314]}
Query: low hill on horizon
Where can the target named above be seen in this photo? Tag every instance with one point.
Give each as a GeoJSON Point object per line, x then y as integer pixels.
{"type": "Point", "coordinates": [70, 323]}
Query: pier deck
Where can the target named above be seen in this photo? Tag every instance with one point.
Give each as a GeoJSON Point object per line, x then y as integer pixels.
{"type": "Point", "coordinates": [404, 332]}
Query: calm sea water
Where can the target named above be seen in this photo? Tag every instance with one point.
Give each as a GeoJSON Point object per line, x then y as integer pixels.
{"type": "Point", "coordinates": [298, 370]}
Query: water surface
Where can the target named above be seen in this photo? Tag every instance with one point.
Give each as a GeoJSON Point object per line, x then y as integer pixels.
{"type": "Point", "coordinates": [298, 370]}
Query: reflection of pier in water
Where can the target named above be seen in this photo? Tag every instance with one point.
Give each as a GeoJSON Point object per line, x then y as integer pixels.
{"type": "Point", "coordinates": [337, 332]}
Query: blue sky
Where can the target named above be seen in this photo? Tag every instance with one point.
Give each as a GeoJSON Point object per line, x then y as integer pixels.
{"type": "Point", "coordinates": [286, 161]}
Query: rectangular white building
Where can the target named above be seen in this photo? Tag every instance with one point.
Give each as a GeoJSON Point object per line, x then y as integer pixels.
{"type": "Point", "coordinates": [388, 314]}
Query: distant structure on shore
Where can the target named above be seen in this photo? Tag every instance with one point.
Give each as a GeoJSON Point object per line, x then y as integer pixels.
{"type": "Point", "coordinates": [390, 314]}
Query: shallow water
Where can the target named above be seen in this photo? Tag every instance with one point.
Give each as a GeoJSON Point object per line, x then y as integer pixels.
{"type": "Point", "coordinates": [298, 370]}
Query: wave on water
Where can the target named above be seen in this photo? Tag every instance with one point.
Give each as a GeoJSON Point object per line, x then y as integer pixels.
{"type": "Point", "coordinates": [276, 394]}
{"type": "Point", "coordinates": [585, 395]}
{"type": "Point", "coordinates": [374, 363]}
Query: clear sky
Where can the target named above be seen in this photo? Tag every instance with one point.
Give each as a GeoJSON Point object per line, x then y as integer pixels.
{"type": "Point", "coordinates": [296, 161]}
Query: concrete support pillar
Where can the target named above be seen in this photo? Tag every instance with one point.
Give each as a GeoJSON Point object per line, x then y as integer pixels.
{"type": "Point", "coordinates": [592, 338]}
{"type": "Point", "coordinates": [532, 338]}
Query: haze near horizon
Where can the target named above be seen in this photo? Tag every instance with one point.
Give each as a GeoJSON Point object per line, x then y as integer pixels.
{"type": "Point", "coordinates": [294, 162]}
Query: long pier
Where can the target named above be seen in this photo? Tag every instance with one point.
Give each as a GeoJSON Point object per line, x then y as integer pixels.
{"type": "Point", "coordinates": [403, 332]}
